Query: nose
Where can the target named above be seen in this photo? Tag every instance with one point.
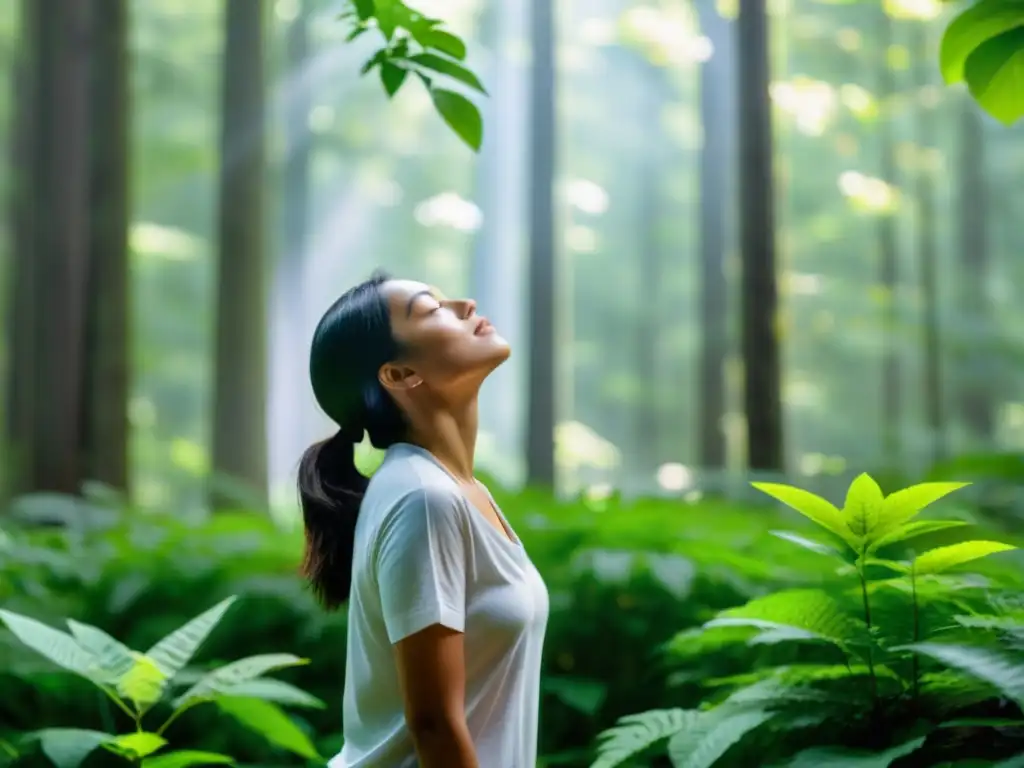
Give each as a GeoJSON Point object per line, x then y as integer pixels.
{"type": "Point", "coordinates": [467, 308]}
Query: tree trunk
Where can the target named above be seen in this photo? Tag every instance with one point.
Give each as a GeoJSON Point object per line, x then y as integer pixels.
{"type": "Point", "coordinates": [239, 398]}
{"type": "Point", "coordinates": [288, 434]}
{"type": "Point", "coordinates": [496, 279]}
{"type": "Point", "coordinates": [105, 446]}
{"type": "Point", "coordinates": [975, 264]}
{"type": "Point", "coordinates": [762, 390]}
{"type": "Point", "coordinates": [69, 355]}
{"type": "Point", "coordinates": [888, 248]}
{"type": "Point", "coordinates": [718, 116]}
{"type": "Point", "coordinates": [928, 253]}
{"type": "Point", "coordinates": [647, 437]}
{"type": "Point", "coordinates": [540, 446]}
{"type": "Point", "coordinates": [22, 325]}
{"type": "Point", "coordinates": [59, 35]}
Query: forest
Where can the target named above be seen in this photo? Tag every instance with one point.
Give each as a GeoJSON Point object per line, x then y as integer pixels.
{"type": "Point", "coordinates": [759, 431]}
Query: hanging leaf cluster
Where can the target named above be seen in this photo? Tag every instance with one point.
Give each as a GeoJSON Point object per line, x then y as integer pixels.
{"type": "Point", "coordinates": [420, 46]}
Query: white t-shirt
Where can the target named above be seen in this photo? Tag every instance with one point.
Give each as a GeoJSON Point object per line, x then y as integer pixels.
{"type": "Point", "coordinates": [424, 555]}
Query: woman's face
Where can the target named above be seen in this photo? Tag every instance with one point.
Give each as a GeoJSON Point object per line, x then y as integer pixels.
{"type": "Point", "coordinates": [444, 342]}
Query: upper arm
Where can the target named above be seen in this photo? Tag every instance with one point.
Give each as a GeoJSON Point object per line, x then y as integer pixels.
{"type": "Point", "coordinates": [432, 673]}
{"type": "Point", "coordinates": [420, 568]}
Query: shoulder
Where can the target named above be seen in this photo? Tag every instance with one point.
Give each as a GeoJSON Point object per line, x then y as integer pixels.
{"type": "Point", "coordinates": [410, 490]}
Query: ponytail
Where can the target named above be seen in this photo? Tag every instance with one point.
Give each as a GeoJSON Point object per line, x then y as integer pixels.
{"type": "Point", "coordinates": [330, 492]}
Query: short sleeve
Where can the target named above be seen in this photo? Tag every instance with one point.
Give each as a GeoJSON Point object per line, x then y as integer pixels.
{"type": "Point", "coordinates": [420, 564]}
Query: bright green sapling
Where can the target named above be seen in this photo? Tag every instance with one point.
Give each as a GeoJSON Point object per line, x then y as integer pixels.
{"type": "Point", "coordinates": [136, 682]}
{"type": "Point", "coordinates": [862, 693]}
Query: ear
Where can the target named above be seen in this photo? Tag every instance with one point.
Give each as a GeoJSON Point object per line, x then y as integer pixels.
{"type": "Point", "coordinates": [394, 376]}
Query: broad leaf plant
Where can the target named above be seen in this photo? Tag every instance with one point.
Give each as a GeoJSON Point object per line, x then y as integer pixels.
{"type": "Point", "coordinates": [135, 683]}
{"type": "Point", "coordinates": [902, 648]}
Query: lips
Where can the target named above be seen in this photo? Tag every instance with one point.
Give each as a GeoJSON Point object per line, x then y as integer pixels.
{"type": "Point", "coordinates": [482, 327]}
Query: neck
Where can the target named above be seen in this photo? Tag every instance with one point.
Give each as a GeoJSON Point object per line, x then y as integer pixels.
{"type": "Point", "coordinates": [450, 435]}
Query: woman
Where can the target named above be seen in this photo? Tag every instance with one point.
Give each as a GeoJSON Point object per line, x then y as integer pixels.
{"type": "Point", "coordinates": [446, 612]}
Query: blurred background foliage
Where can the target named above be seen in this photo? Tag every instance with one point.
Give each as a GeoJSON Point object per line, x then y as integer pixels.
{"type": "Point", "coordinates": [697, 296]}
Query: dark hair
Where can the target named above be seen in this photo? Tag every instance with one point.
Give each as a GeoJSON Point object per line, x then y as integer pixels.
{"type": "Point", "coordinates": [350, 344]}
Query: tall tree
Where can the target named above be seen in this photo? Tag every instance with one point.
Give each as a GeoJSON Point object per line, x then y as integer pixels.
{"type": "Point", "coordinates": [542, 282]}
{"type": "Point", "coordinates": [240, 387]}
{"type": "Point", "coordinates": [926, 243]}
{"type": "Point", "coordinates": [107, 378]}
{"type": "Point", "coordinates": [22, 315]}
{"type": "Point", "coordinates": [761, 364]}
{"type": "Point", "coordinates": [496, 278]}
{"type": "Point", "coordinates": [290, 263]}
{"type": "Point", "coordinates": [717, 171]}
{"type": "Point", "coordinates": [650, 94]}
{"type": "Point", "coordinates": [976, 388]}
{"type": "Point", "coordinates": [888, 248]}
{"type": "Point", "coordinates": [51, 268]}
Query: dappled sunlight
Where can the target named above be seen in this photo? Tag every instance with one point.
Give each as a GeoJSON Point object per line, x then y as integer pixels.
{"type": "Point", "coordinates": [919, 10]}
{"type": "Point", "coordinates": [149, 240]}
{"type": "Point", "coordinates": [810, 103]}
{"type": "Point", "coordinates": [868, 194]}
{"type": "Point", "coordinates": [577, 447]}
{"type": "Point", "coordinates": [449, 209]}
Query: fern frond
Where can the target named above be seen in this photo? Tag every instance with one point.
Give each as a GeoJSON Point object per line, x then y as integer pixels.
{"type": "Point", "coordinates": [812, 610]}
{"type": "Point", "coordinates": [840, 757]}
{"type": "Point", "coordinates": [635, 733]}
{"type": "Point", "coordinates": [709, 735]}
{"type": "Point", "coordinates": [991, 667]}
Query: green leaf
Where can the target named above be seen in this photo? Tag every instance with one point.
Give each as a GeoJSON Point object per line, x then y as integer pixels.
{"type": "Point", "coordinates": [276, 691]}
{"type": "Point", "coordinates": [443, 41]}
{"type": "Point", "coordinates": [461, 115]}
{"type": "Point", "coordinates": [709, 735]}
{"type": "Point", "coordinates": [780, 633]}
{"type": "Point", "coordinates": [863, 505]}
{"type": "Point", "coordinates": [995, 75]}
{"type": "Point", "coordinates": [635, 733]}
{"type": "Point", "coordinates": [1013, 625]}
{"type": "Point", "coordinates": [387, 14]}
{"type": "Point", "coordinates": [912, 530]}
{"type": "Point", "coordinates": [980, 22]}
{"type": "Point", "coordinates": [840, 757]}
{"type": "Point", "coordinates": [186, 758]}
{"type": "Point", "coordinates": [581, 694]}
{"type": "Point", "coordinates": [809, 544]}
{"type": "Point", "coordinates": [356, 32]}
{"type": "Point", "coordinates": [811, 506]}
{"type": "Point", "coordinates": [811, 610]}
{"type": "Point", "coordinates": [144, 683]}
{"type": "Point", "coordinates": [364, 9]}
{"type": "Point", "coordinates": [141, 744]}
{"type": "Point", "coordinates": [115, 659]}
{"type": "Point", "coordinates": [68, 747]}
{"type": "Point", "coordinates": [943, 558]}
{"type": "Point", "coordinates": [237, 672]}
{"type": "Point", "coordinates": [176, 650]}
{"type": "Point", "coordinates": [378, 58]}
{"type": "Point", "coordinates": [59, 647]}
{"type": "Point", "coordinates": [447, 67]}
{"type": "Point", "coordinates": [271, 722]}
{"type": "Point", "coordinates": [901, 506]}
{"type": "Point", "coordinates": [392, 77]}
{"type": "Point", "coordinates": [988, 666]}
